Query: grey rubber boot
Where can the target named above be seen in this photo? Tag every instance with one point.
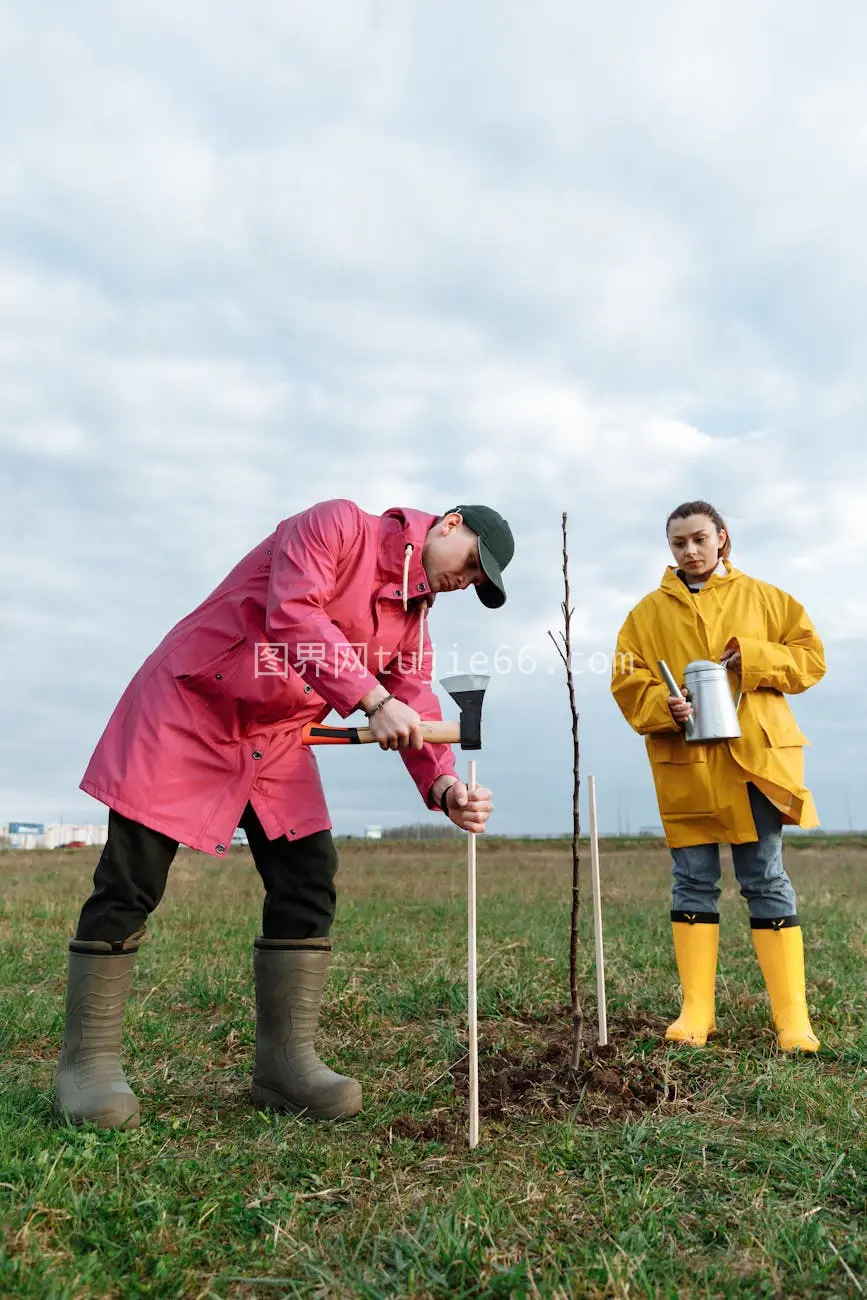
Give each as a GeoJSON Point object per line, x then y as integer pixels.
{"type": "Point", "coordinates": [90, 1084]}
{"type": "Point", "coordinates": [287, 1074]}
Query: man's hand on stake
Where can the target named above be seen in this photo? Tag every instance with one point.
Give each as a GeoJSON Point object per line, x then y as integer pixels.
{"type": "Point", "coordinates": [469, 809]}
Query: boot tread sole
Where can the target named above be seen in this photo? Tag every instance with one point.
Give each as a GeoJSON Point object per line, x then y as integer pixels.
{"type": "Point", "coordinates": [272, 1100]}
{"type": "Point", "coordinates": [102, 1119]}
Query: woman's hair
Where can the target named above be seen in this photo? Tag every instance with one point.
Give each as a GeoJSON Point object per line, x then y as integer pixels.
{"type": "Point", "coordinates": [703, 508]}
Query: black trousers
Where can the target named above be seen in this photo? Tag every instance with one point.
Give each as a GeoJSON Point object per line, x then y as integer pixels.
{"type": "Point", "coordinates": [131, 875]}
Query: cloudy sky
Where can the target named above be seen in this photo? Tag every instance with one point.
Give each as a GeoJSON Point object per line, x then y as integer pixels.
{"type": "Point", "coordinates": [561, 256]}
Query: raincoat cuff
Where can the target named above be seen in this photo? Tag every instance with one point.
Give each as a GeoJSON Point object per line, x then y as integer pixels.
{"type": "Point", "coordinates": [425, 767]}
{"type": "Point", "coordinates": [660, 719]}
{"type": "Point", "coordinates": [755, 661]}
{"type": "Point", "coordinates": [345, 694]}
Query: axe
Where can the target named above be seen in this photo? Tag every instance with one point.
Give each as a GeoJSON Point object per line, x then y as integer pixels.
{"type": "Point", "coordinates": [466, 689]}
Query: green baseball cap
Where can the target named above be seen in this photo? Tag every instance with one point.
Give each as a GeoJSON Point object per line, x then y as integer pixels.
{"type": "Point", "coordinates": [496, 548]}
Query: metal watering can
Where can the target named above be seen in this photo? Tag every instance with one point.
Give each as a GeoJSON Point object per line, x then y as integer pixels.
{"type": "Point", "coordinates": [714, 712]}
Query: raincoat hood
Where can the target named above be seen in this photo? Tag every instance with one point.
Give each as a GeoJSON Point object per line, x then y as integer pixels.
{"type": "Point", "coordinates": [675, 586]}
{"type": "Point", "coordinates": [402, 537]}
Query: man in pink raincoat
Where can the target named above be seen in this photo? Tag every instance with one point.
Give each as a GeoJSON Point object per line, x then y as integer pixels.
{"type": "Point", "coordinates": [328, 612]}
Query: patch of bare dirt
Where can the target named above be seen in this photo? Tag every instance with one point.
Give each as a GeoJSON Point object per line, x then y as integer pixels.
{"type": "Point", "coordinates": [604, 1088]}
{"type": "Point", "coordinates": [611, 1084]}
{"type": "Point", "coordinates": [437, 1127]}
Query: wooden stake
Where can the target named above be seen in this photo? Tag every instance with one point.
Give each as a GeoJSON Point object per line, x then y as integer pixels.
{"type": "Point", "coordinates": [597, 916]}
{"type": "Point", "coordinates": [472, 993]}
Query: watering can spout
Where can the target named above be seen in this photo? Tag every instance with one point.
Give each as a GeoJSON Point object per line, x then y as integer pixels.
{"type": "Point", "coordinates": [669, 679]}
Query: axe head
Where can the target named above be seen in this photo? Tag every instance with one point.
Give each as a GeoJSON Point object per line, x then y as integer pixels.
{"type": "Point", "coordinates": [468, 691]}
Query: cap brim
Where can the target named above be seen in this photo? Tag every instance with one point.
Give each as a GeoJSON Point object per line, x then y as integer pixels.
{"type": "Point", "coordinates": [490, 593]}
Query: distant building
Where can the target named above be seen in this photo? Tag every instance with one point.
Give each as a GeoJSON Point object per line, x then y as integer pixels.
{"type": "Point", "coordinates": [24, 835]}
{"type": "Point", "coordinates": [90, 833]}
{"type": "Point", "coordinates": [36, 835]}
{"type": "Point", "coordinates": [373, 832]}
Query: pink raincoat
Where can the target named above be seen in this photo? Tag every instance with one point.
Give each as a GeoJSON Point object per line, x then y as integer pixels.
{"type": "Point", "coordinates": [327, 607]}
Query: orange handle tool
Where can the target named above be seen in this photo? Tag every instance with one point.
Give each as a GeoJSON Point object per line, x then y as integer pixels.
{"type": "Point", "coordinates": [316, 733]}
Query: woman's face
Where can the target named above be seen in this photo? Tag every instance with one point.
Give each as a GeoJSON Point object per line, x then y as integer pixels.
{"type": "Point", "coordinates": [695, 544]}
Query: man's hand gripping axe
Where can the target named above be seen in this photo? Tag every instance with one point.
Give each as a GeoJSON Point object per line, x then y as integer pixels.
{"type": "Point", "coordinates": [466, 689]}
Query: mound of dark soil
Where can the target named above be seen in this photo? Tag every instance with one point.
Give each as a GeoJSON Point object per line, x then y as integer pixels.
{"type": "Point", "coordinates": [611, 1082]}
{"type": "Point", "coordinates": [532, 1077]}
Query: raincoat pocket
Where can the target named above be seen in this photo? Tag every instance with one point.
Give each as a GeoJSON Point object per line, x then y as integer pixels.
{"type": "Point", "coordinates": [211, 677]}
{"type": "Point", "coordinates": [782, 733]}
{"type": "Point", "coordinates": [681, 777]}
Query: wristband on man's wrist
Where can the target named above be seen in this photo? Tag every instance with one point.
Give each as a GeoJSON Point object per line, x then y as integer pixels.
{"type": "Point", "coordinates": [370, 712]}
{"type": "Point", "coordinates": [444, 798]}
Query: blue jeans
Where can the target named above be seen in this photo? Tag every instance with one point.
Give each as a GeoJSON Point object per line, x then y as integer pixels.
{"type": "Point", "coordinates": [758, 867]}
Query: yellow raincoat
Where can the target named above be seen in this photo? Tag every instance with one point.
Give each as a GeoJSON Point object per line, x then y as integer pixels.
{"type": "Point", "coordinates": [702, 789]}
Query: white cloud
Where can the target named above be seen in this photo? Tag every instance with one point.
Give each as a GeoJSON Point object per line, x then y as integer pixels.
{"type": "Point", "coordinates": [552, 257]}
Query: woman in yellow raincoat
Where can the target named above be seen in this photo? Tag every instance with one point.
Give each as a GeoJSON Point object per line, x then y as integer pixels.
{"type": "Point", "coordinates": [739, 792]}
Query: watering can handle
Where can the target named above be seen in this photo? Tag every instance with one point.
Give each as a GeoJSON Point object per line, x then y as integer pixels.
{"type": "Point", "coordinates": [740, 693]}
{"type": "Point", "coordinates": [668, 678]}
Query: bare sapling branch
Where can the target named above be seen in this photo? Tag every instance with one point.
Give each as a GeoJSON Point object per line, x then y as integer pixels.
{"type": "Point", "coordinates": [563, 647]}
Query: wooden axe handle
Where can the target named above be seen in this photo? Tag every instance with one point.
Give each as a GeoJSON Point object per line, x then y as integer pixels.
{"type": "Point", "coordinates": [316, 733]}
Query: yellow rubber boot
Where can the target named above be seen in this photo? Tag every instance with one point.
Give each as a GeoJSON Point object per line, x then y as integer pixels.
{"type": "Point", "coordinates": [696, 944]}
{"type": "Point", "coordinates": [779, 947]}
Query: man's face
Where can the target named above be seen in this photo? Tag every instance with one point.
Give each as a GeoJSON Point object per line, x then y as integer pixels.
{"type": "Point", "coordinates": [450, 556]}
{"type": "Point", "coordinates": [695, 544]}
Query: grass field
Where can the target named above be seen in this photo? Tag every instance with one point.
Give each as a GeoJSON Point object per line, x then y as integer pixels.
{"type": "Point", "coordinates": [727, 1171]}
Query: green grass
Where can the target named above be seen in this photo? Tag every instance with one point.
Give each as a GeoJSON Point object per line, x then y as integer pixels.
{"type": "Point", "coordinates": [729, 1171]}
